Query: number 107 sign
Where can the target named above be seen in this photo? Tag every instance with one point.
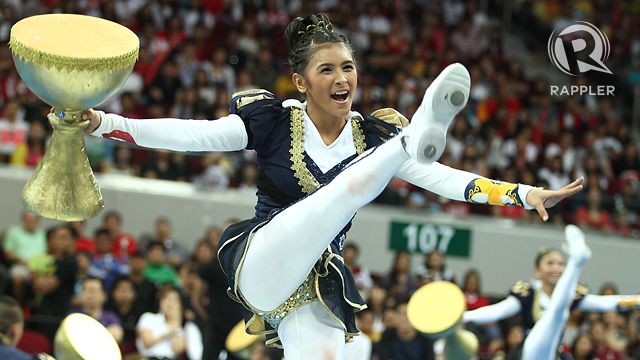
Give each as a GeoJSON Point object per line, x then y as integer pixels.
{"type": "Point", "coordinates": [423, 238]}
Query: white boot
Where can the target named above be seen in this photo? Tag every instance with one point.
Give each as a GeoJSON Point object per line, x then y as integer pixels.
{"type": "Point", "coordinates": [575, 245]}
{"type": "Point", "coordinates": [445, 97]}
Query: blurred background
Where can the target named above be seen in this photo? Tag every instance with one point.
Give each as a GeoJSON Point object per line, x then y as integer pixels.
{"type": "Point", "coordinates": [165, 211]}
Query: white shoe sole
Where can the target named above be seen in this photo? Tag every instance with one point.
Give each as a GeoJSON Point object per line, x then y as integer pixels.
{"type": "Point", "coordinates": [576, 246]}
{"type": "Point", "coordinates": [443, 100]}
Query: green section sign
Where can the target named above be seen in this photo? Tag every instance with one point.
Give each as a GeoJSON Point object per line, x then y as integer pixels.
{"type": "Point", "coordinates": [423, 238]}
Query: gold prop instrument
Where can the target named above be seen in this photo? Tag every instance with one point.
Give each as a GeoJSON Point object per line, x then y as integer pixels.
{"type": "Point", "coordinates": [81, 337]}
{"type": "Point", "coordinates": [239, 343]}
{"type": "Point", "coordinates": [71, 62]}
{"type": "Point", "coordinates": [436, 311]}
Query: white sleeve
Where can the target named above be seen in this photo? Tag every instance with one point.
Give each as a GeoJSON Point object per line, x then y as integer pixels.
{"type": "Point", "coordinates": [145, 322]}
{"type": "Point", "coordinates": [602, 303]}
{"type": "Point", "coordinates": [492, 313]}
{"type": "Point", "coordinates": [225, 134]}
{"type": "Point", "coordinates": [193, 339]}
{"type": "Point", "coordinates": [446, 181]}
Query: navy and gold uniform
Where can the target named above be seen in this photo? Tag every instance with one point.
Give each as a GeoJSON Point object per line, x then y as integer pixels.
{"type": "Point", "coordinates": [288, 174]}
{"type": "Point", "coordinates": [529, 297]}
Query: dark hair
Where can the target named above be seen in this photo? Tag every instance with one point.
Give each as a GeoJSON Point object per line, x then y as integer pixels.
{"type": "Point", "coordinates": [53, 229]}
{"type": "Point", "coordinates": [156, 244]}
{"type": "Point", "coordinates": [467, 275]}
{"type": "Point", "coordinates": [544, 252]}
{"type": "Point", "coordinates": [112, 213]}
{"type": "Point", "coordinates": [102, 231]}
{"type": "Point", "coordinates": [165, 290]}
{"type": "Point", "coordinates": [162, 219]}
{"type": "Point", "coordinates": [138, 254]}
{"type": "Point", "coordinates": [303, 35]}
{"type": "Point", "coordinates": [93, 278]}
{"type": "Point", "coordinates": [574, 346]}
{"type": "Point", "coordinates": [10, 313]}
{"type": "Point", "coordinates": [352, 246]}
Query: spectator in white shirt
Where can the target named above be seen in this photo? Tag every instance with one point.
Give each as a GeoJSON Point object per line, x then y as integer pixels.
{"type": "Point", "coordinates": [167, 334]}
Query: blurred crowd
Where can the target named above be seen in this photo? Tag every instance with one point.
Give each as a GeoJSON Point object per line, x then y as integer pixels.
{"type": "Point", "coordinates": [162, 300]}
{"type": "Point", "coordinates": [195, 53]}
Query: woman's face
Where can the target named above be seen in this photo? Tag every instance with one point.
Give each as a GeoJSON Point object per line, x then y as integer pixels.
{"type": "Point", "coordinates": [471, 283]}
{"type": "Point", "coordinates": [204, 253]}
{"type": "Point", "coordinates": [124, 293]}
{"type": "Point", "coordinates": [435, 260]}
{"type": "Point", "coordinates": [329, 81]}
{"type": "Point", "coordinates": [402, 262]}
{"type": "Point", "coordinates": [515, 337]}
{"type": "Point", "coordinates": [584, 345]}
{"type": "Point", "coordinates": [550, 268]}
{"type": "Point", "coordinates": [378, 295]}
{"type": "Point", "coordinates": [171, 305]}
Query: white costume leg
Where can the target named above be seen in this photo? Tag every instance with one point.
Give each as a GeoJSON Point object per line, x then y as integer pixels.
{"type": "Point", "coordinates": [309, 332]}
{"type": "Point", "coordinates": [282, 253]}
{"type": "Point", "coordinates": [542, 342]}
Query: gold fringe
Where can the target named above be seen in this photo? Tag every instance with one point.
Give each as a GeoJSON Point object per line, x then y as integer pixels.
{"type": "Point", "coordinates": [358, 136]}
{"type": "Point", "coordinates": [307, 182]}
{"type": "Point", "coordinates": [38, 57]}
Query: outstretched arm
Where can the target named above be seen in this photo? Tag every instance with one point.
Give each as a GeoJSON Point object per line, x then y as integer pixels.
{"type": "Point", "coordinates": [225, 134]}
{"type": "Point", "coordinates": [465, 186]}
{"type": "Point", "coordinates": [492, 313]}
{"type": "Point", "coordinates": [606, 303]}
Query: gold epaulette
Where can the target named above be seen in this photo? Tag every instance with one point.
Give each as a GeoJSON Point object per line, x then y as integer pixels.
{"type": "Point", "coordinates": [251, 95]}
{"type": "Point", "coordinates": [391, 116]}
{"type": "Point", "coordinates": [521, 288]}
{"type": "Point", "coordinates": [581, 290]}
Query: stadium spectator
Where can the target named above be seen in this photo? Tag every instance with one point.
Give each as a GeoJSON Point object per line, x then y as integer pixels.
{"type": "Point", "coordinates": [104, 265]}
{"type": "Point", "coordinates": [92, 300]}
{"type": "Point", "coordinates": [124, 244]}
{"type": "Point", "coordinates": [157, 271]}
{"type": "Point", "coordinates": [122, 303]}
{"type": "Point", "coordinates": [21, 244]}
{"type": "Point", "coordinates": [166, 333]}
{"type": "Point", "coordinates": [53, 281]}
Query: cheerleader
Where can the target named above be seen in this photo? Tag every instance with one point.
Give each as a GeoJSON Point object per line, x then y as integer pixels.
{"type": "Point", "coordinates": [319, 162]}
{"type": "Point", "coordinates": [545, 303]}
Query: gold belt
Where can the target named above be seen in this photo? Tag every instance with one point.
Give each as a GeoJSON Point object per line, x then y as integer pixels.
{"type": "Point", "coordinates": [304, 294]}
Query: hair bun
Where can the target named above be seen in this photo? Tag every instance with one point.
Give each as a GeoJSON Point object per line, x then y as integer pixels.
{"type": "Point", "coordinates": [301, 28]}
{"type": "Point", "coordinates": [304, 34]}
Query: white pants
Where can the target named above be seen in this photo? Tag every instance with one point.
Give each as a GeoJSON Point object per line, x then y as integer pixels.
{"type": "Point", "coordinates": [284, 251]}
{"type": "Point", "coordinates": [543, 340]}
{"type": "Point", "coordinates": [310, 333]}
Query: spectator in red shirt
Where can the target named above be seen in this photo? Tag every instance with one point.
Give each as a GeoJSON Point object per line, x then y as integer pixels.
{"type": "Point", "coordinates": [593, 215]}
{"type": "Point", "coordinates": [124, 244]}
{"type": "Point", "coordinates": [471, 289]}
{"type": "Point", "coordinates": [84, 243]}
{"type": "Point", "coordinates": [602, 349]}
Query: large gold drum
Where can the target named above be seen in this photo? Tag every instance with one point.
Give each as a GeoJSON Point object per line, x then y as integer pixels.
{"type": "Point", "coordinates": [81, 337]}
{"type": "Point", "coordinates": [239, 343]}
{"type": "Point", "coordinates": [436, 310]}
{"type": "Point", "coordinates": [71, 62]}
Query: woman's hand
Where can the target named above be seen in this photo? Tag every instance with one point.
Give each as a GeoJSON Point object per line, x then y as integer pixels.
{"type": "Point", "coordinates": [94, 119]}
{"type": "Point", "coordinates": [542, 199]}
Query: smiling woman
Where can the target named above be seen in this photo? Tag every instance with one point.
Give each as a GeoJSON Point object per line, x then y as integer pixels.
{"type": "Point", "coordinates": [544, 303]}
{"type": "Point", "coordinates": [324, 70]}
{"type": "Point", "coordinates": [319, 162]}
